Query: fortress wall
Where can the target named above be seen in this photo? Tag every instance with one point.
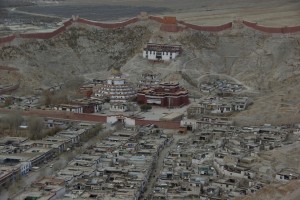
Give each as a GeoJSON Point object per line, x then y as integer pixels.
{"type": "Point", "coordinates": [8, 68]}
{"type": "Point", "coordinates": [207, 28]}
{"type": "Point", "coordinates": [66, 115]}
{"type": "Point", "coordinates": [108, 25]}
{"type": "Point", "coordinates": [90, 117]}
{"type": "Point", "coordinates": [9, 89]}
{"type": "Point", "coordinates": [170, 28]}
{"type": "Point", "coordinates": [7, 39]}
{"type": "Point", "coordinates": [286, 29]}
{"type": "Point", "coordinates": [46, 35]}
{"type": "Point", "coordinates": [166, 27]}
{"type": "Point", "coordinates": [158, 19]}
{"type": "Point", "coordinates": [13, 87]}
{"type": "Point", "coordinates": [161, 124]}
{"type": "Point", "coordinates": [68, 22]}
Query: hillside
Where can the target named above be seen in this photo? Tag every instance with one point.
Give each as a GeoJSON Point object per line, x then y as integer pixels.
{"type": "Point", "coordinates": [75, 52]}
{"type": "Point", "coordinates": [268, 65]}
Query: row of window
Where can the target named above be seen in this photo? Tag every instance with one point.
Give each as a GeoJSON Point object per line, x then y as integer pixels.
{"type": "Point", "coordinates": [155, 52]}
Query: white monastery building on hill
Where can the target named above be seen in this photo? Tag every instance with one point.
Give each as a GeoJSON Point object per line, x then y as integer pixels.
{"type": "Point", "coordinates": [161, 52]}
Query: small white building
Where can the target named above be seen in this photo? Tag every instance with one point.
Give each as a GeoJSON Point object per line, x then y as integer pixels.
{"type": "Point", "coordinates": [120, 118]}
{"type": "Point", "coordinates": [69, 108]}
{"type": "Point", "coordinates": [286, 175]}
{"type": "Point", "coordinates": [190, 124]}
{"type": "Point", "coordinates": [161, 51]}
{"type": "Point", "coordinates": [118, 107]}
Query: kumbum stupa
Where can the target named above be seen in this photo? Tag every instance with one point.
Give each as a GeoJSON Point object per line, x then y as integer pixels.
{"type": "Point", "coordinates": [116, 88]}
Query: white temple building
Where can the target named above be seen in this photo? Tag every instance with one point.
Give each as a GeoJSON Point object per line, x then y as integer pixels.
{"type": "Point", "coordinates": [161, 52]}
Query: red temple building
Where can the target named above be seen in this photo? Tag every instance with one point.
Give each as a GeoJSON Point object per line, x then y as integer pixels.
{"type": "Point", "coordinates": [169, 95]}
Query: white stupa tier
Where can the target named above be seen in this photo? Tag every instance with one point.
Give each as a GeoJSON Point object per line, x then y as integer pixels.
{"type": "Point", "coordinates": [116, 88]}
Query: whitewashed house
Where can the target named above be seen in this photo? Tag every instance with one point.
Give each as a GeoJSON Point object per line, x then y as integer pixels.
{"type": "Point", "coordinates": [162, 52]}
{"type": "Point", "coordinates": [69, 108]}
{"type": "Point", "coordinates": [118, 107]}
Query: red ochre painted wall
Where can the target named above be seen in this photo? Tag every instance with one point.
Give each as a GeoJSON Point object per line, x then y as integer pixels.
{"type": "Point", "coordinates": [9, 89]}
{"type": "Point", "coordinates": [108, 25]}
{"type": "Point", "coordinates": [169, 27]}
{"type": "Point", "coordinates": [161, 124]}
{"type": "Point", "coordinates": [174, 102]}
{"type": "Point", "coordinates": [155, 18]}
{"type": "Point", "coordinates": [207, 28]}
{"type": "Point", "coordinates": [7, 39]}
{"type": "Point", "coordinates": [286, 29]}
{"type": "Point", "coordinates": [48, 35]}
{"type": "Point", "coordinates": [90, 117]}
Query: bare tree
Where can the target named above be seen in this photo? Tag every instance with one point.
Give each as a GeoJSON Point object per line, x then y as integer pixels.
{"type": "Point", "coordinates": [14, 120]}
{"type": "Point", "coordinates": [35, 127]}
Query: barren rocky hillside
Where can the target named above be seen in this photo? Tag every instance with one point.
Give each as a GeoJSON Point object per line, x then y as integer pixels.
{"type": "Point", "coordinates": [268, 65]}
{"type": "Point", "coordinates": [288, 191]}
{"type": "Point", "coordinates": [75, 52]}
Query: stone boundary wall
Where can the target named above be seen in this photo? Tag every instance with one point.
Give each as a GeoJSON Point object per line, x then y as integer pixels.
{"type": "Point", "coordinates": [207, 28]}
{"type": "Point", "coordinates": [89, 117]}
{"type": "Point", "coordinates": [161, 124]}
{"type": "Point", "coordinates": [108, 25]}
{"type": "Point", "coordinates": [48, 35]}
{"type": "Point", "coordinates": [155, 18]}
{"type": "Point", "coordinates": [9, 89]}
{"type": "Point", "coordinates": [283, 30]}
{"type": "Point", "coordinates": [13, 87]}
{"type": "Point", "coordinates": [7, 39]}
{"type": "Point", "coordinates": [8, 68]}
